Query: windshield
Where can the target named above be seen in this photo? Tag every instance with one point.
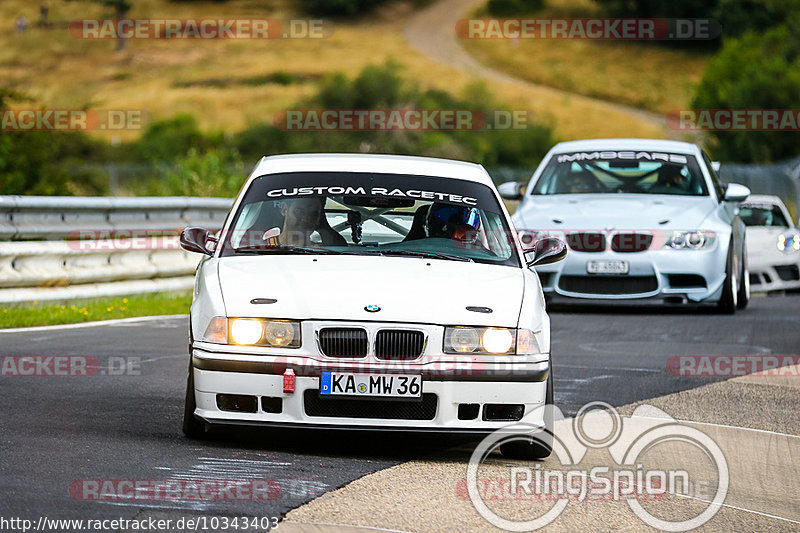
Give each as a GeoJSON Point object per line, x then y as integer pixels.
{"type": "Point", "coordinates": [621, 172]}
{"type": "Point", "coordinates": [371, 214]}
{"type": "Point", "coordinates": [762, 215]}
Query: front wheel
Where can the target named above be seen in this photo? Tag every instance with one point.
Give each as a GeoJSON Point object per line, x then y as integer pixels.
{"type": "Point", "coordinates": [540, 445]}
{"type": "Point", "coordinates": [743, 296]}
{"type": "Point", "coordinates": [730, 290]}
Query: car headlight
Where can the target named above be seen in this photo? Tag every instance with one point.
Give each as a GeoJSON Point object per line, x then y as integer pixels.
{"type": "Point", "coordinates": [253, 332]}
{"type": "Point", "coordinates": [498, 341]}
{"type": "Point", "coordinates": [790, 243]}
{"type": "Point", "coordinates": [691, 240]}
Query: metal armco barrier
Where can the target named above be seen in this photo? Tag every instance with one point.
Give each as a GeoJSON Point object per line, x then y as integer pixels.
{"type": "Point", "coordinates": [50, 217]}
{"type": "Point", "coordinates": [100, 264]}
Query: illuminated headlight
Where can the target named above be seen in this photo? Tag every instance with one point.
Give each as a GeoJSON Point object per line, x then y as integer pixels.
{"type": "Point", "coordinates": [246, 330]}
{"type": "Point", "coordinates": [692, 240]}
{"type": "Point", "coordinates": [253, 332]}
{"type": "Point", "coordinates": [790, 243]}
{"type": "Point", "coordinates": [499, 341]}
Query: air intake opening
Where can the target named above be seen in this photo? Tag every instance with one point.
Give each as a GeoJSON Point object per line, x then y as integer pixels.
{"type": "Point", "coordinates": [503, 412]}
{"type": "Point", "coordinates": [686, 281]}
{"type": "Point", "coordinates": [788, 272]}
{"type": "Point", "coordinates": [343, 342]}
{"type": "Point", "coordinates": [271, 405]}
{"type": "Point", "coordinates": [237, 402]}
{"type": "Point", "coordinates": [468, 411]}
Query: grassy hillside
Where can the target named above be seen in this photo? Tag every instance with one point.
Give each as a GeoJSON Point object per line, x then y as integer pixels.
{"type": "Point", "coordinates": [230, 84]}
{"type": "Point", "coordinates": [638, 74]}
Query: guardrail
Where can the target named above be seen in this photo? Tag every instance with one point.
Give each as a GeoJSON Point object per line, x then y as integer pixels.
{"type": "Point", "coordinates": [88, 259]}
{"type": "Point", "coordinates": [41, 217]}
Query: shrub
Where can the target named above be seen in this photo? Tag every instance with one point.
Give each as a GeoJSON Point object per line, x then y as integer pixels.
{"type": "Point", "coordinates": [757, 71]}
{"type": "Point", "coordinates": [510, 8]}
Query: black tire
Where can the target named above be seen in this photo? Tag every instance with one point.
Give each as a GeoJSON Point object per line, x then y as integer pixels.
{"type": "Point", "coordinates": [727, 303]}
{"type": "Point", "coordinates": [743, 297]}
{"type": "Point", "coordinates": [540, 445]}
{"type": "Point", "coordinates": [193, 427]}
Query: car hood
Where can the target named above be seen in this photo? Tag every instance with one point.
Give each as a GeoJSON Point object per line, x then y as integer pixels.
{"type": "Point", "coordinates": [614, 211]}
{"type": "Point", "coordinates": [406, 289]}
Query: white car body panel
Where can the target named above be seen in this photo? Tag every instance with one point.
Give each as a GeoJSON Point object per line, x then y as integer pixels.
{"type": "Point", "coordinates": [339, 287]}
{"type": "Point", "coordinates": [413, 293]}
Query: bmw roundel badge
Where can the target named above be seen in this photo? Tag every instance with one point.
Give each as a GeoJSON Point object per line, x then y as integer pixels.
{"type": "Point", "coordinates": [372, 308]}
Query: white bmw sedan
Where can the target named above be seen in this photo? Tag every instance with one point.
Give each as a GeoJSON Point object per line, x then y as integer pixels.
{"type": "Point", "coordinates": [643, 219]}
{"type": "Point", "coordinates": [773, 244]}
{"type": "Point", "coordinates": [374, 292]}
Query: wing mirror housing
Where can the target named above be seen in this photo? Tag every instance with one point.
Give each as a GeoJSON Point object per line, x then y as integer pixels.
{"type": "Point", "coordinates": [196, 240]}
{"type": "Point", "coordinates": [510, 190]}
{"type": "Point", "coordinates": [546, 251]}
{"type": "Point", "coordinates": [736, 193]}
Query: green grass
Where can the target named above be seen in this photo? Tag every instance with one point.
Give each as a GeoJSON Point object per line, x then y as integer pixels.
{"type": "Point", "coordinates": [640, 74]}
{"type": "Point", "coordinates": [38, 313]}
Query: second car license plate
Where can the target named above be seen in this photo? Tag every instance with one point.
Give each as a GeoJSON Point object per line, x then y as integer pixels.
{"type": "Point", "coordinates": [607, 267]}
{"type": "Point", "coordinates": [370, 385]}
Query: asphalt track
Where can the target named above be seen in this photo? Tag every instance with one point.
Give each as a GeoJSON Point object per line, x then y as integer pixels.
{"type": "Point", "coordinates": [123, 423]}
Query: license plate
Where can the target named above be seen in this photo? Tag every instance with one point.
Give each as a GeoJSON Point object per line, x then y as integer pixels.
{"type": "Point", "coordinates": [607, 267]}
{"type": "Point", "coordinates": [370, 385]}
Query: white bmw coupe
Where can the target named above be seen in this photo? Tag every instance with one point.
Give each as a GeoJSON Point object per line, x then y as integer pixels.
{"type": "Point", "coordinates": [373, 292]}
{"type": "Point", "coordinates": [643, 219]}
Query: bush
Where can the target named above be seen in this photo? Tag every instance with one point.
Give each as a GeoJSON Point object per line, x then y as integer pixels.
{"type": "Point", "coordinates": [757, 71]}
{"type": "Point", "coordinates": [510, 8]}
{"type": "Point", "coordinates": [38, 162]}
{"type": "Point", "coordinates": [384, 87]}
{"type": "Point", "coordinates": [338, 8]}
{"type": "Point", "coordinates": [736, 17]}
{"type": "Point", "coordinates": [167, 140]}
{"type": "Point", "coordinates": [218, 172]}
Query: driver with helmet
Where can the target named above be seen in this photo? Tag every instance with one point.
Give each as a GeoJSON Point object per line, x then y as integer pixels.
{"type": "Point", "coordinates": [459, 223]}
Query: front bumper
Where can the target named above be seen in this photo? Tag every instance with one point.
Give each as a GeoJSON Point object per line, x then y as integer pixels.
{"type": "Point", "coordinates": [449, 382]}
{"type": "Point", "coordinates": [693, 275]}
{"type": "Point", "coordinates": [774, 275]}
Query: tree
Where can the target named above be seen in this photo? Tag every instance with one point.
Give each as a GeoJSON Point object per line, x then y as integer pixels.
{"type": "Point", "coordinates": [756, 71]}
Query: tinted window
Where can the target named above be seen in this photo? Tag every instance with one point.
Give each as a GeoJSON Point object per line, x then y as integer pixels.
{"type": "Point", "coordinates": [622, 172]}
{"type": "Point", "coordinates": [370, 214]}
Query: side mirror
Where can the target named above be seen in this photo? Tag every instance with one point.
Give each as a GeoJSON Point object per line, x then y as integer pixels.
{"type": "Point", "coordinates": [510, 190]}
{"type": "Point", "coordinates": [195, 240]}
{"type": "Point", "coordinates": [547, 250]}
{"type": "Point", "coordinates": [736, 193]}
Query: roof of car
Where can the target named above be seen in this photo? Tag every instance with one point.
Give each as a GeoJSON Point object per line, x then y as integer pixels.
{"type": "Point", "coordinates": [375, 163]}
{"type": "Point", "coordinates": [627, 144]}
{"type": "Point", "coordinates": [763, 199]}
